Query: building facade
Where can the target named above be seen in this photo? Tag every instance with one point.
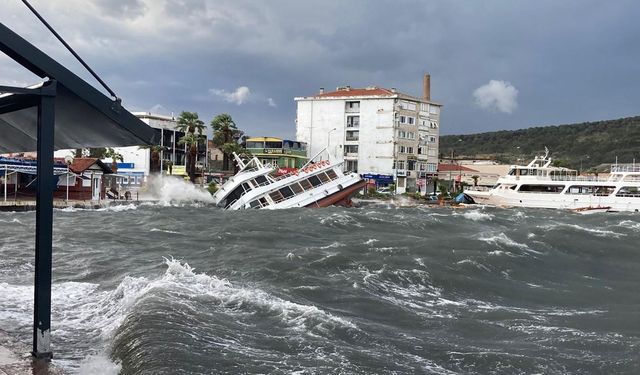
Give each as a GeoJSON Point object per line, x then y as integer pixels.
{"type": "Point", "coordinates": [380, 133]}
{"type": "Point", "coordinates": [281, 152]}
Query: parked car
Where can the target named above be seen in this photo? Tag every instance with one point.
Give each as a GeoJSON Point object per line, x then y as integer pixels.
{"type": "Point", "coordinates": [385, 190]}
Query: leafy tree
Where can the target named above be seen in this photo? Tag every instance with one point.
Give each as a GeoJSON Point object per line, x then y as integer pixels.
{"type": "Point", "coordinates": [225, 132]}
{"type": "Point", "coordinates": [189, 123]}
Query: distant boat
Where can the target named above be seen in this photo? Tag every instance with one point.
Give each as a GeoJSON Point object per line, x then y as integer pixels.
{"type": "Point", "coordinates": [317, 184]}
{"type": "Point", "coordinates": [541, 185]}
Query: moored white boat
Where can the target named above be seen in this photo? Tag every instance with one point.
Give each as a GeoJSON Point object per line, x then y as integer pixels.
{"type": "Point", "coordinates": [541, 185]}
{"type": "Point", "coordinates": [317, 184]}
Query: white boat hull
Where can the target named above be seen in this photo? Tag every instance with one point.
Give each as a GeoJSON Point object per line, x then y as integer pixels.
{"type": "Point", "coordinates": [510, 198]}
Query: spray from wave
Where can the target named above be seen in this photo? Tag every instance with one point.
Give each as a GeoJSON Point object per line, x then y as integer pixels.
{"type": "Point", "coordinates": [170, 190]}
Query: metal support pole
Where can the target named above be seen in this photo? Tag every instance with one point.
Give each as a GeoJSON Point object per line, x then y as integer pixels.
{"type": "Point", "coordinates": [44, 224]}
{"type": "Point", "coordinates": [6, 176]}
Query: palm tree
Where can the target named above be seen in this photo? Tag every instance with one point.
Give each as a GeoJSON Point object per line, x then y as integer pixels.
{"type": "Point", "coordinates": [191, 141]}
{"type": "Point", "coordinates": [189, 123]}
{"type": "Point", "coordinates": [225, 132]}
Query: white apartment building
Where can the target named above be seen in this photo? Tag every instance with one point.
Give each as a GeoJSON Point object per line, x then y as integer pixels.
{"type": "Point", "coordinates": [380, 133]}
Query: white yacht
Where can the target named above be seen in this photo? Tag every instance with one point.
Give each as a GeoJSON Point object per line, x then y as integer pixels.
{"type": "Point", "coordinates": [317, 184]}
{"type": "Point", "coordinates": [539, 184]}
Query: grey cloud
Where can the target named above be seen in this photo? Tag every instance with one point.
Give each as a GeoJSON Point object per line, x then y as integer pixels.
{"type": "Point", "coordinates": [570, 61]}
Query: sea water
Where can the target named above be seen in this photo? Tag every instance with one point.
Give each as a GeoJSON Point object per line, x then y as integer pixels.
{"type": "Point", "coordinates": [186, 288]}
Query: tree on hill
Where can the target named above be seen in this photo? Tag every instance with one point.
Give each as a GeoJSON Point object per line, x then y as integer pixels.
{"type": "Point", "coordinates": [589, 144]}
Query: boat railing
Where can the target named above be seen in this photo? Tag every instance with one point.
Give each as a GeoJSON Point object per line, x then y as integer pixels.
{"type": "Point", "coordinates": [578, 178]}
{"type": "Point", "coordinates": [622, 168]}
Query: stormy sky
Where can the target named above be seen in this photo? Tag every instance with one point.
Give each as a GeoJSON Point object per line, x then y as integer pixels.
{"type": "Point", "coordinates": [494, 64]}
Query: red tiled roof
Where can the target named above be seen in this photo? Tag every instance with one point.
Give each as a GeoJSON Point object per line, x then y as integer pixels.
{"type": "Point", "coordinates": [375, 91]}
{"type": "Point", "coordinates": [454, 167]}
{"type": "Point", "coordinates": [80, 165]}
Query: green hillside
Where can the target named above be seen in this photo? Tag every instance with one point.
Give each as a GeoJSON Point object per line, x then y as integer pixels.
{"type": "Point", "coordinates": [589, 143]}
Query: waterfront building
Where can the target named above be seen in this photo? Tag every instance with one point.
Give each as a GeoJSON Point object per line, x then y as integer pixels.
{"type": "Point", "coordinates": [276, 151]}
{"type": "Point", "coordinates": [137, 162]}
{"type": "Point", "coordinates": [382, 133]}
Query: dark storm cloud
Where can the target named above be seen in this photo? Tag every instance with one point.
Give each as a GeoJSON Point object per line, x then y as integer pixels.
{"type": "Point", "coordinates": [568, 61]}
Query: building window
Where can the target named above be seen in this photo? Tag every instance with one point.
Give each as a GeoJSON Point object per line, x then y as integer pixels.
{"type": "Point", "coordinates": [424, 107]}
{"type": "Point", "coordinates": [400, 164]}
{"type": "Point", "coordinates": [411, 120]}
{"type": "Point", "coordinates": [434, 109]}
{"type": "Point", "coordinates": [353, 135]}
{"type": "Point", "coordinates": [403, 119]}
{"type": "Point", "coordinates": [421, 150]}
{"type": "Point", "coordinates": [411, 165]}
{"type": "Point", "coordinates": [422, 167]}
{"type": "Point", "coordinates": [411, 106]}
{"type": "Point", "coordinates": [353, 106]}
{"type": "Point", "coordinates": [432, 139]}
{"type": "Point", "coordinates": [351, 165]}
{"type": "Point", "coordinates": [402, 149]}
{"type": "Point", "coordinates": [432, 167]}
{"type": "Point", "coordinates": [350, 149]}
{"type": "Point", "coordinates": [353, 121]}
{"type": "Point", "coordinates": [409, 150]}
{"type": "Point", "coordinates": [433, 125]}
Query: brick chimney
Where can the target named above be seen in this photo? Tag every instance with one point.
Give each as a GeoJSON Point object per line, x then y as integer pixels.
{"type": "Point", "coordinates": [426, 87]}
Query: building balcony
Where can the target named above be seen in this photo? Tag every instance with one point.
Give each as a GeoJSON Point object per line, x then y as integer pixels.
{"type": "Point", "coordinates": [351, 139]}
{"type": "Point", "coordinates": [350, 155]}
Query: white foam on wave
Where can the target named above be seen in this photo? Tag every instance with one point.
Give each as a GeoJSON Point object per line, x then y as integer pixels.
{"type": "Point", "coordinates": [169, 190]}
{"type": "Point", "coordinates": [629, 224]}
{"type": "Point", "coordinates": [594, 231]}
{"type": "Point", "coordinates": [501, 239]}
{"type": "Point", "coordinates": [340, 219]}
{"type": "Point", "coordinates": [164, 231]}
{"type": "Point", "coordinates": [370, 241]}
{"type": "Point", "coordinates": [12, 221]}
{"type": "Point", "coordinates": [98, 364]}
{"type": "Point", "coordinates": [119, 207]}
{"type": "Point", "coordinates": [82, 309]}
{"type": "Point", "coordinates": [477, 215]}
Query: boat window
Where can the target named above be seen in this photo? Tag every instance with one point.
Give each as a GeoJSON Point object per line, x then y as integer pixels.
{"type": "Point", "coordinates": [575, 189]}
{"type": "Point", "coordinates": [332, 174]}
{"type": "Point", "coordinates": [296, 188]}
{"type": "Point", "coordinates": [512, 172]}
{"type": "Point", "coordinates": [603, 190]}
{"type": "Point", "coordinates": [524, 172]}
{"type": "Point", "coordinates": [254, 204]}
{"type": "Point", "coordinates": [286, 192]}
{"type": "Point", "coordinates": [276, 196]}
{"type": "Point", "coordinates": [323, 177]}
{"type": "Point", "coordinates": [261, 180]}
{"type": "Point", "coordinates": [628, 191]}
{"type": "Point", "coordinates": [306, 185]}
{"type": "Point", "coordinates": [263, 201]}
{"type": "Point", "coordinates": [315, 181]}
{"type": "Point", "coordinates": [541, 188]}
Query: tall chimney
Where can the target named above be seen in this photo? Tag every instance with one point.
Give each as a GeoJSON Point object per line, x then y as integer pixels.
{"type": "Point", "coordinates": [321, 90]}
{"type": "Point", "coordinates": [426, 87]}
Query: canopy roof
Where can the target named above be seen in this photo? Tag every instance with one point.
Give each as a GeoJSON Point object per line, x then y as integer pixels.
{"type": "Point", "coordinates": [84, 117]}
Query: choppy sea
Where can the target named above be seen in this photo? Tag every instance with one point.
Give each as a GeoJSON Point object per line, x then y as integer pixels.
{"type": "Point", "coordinates": [380, 289]}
